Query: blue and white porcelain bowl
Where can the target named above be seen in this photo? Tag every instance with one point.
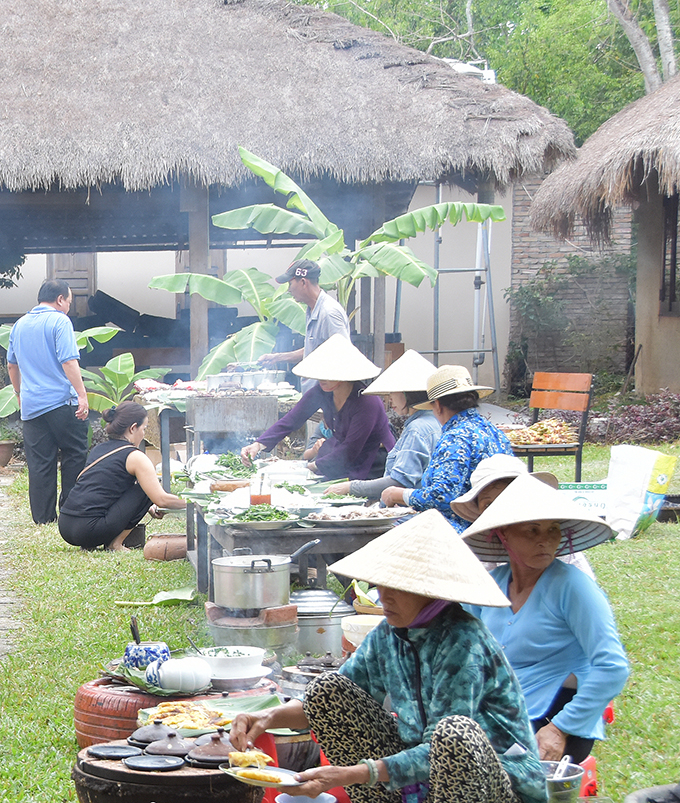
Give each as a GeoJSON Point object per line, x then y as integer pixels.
{"type": "Point", "coordinates": [152, 673]}
{"type": "Point", "coordinates": [139, 656]}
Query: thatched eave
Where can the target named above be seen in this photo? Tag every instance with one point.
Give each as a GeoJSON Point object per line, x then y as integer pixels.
{"type": "Point", "coordinates": [145, 94]}
{"type": "Point", "coordinates": [614, 167]}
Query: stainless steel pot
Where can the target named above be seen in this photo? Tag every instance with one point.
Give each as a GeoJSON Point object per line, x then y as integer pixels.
{"type": "Point", "coordinates": [320, 615]}
{"type": "Point", "coordinates": [253, 379]}
{"type": "Point", "coordinates": [253, 582]}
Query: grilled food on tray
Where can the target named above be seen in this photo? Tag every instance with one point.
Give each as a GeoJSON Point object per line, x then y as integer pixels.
{"type": "Point", "coordinates": [189, 715]}
{"type": "Point", "coordinates": [228, 485]}
{"type": "Point", "coordinates": [252, 758]}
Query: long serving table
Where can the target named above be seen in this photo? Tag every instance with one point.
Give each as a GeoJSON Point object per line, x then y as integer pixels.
{"type": "Point", "coordinates": [214, 541]}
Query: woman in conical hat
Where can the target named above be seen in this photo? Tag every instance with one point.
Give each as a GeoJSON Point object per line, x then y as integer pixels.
{"type": "Point", "coordinates": [467, 437]}
{"type": "Point", "coordinates": [405, 381]}
{"type": "Point", "coordinates": [461, 731]}
{"type": "Point", "coordinates": [361, 435]}
{"type": "Point", "coordinates": [559, 633]}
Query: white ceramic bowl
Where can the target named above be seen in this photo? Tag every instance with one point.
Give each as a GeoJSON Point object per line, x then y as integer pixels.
{"type": "Point", "coordinates": [187, 675]}
{"type": "Point", "coordinates": [233, 662]}
{"type": "Point", "coordinates": [356, 628]}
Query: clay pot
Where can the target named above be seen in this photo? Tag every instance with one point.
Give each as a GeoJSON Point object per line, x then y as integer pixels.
{"type": "Point", "coordinates": [6, 452]}
{"type": "Point", "coordinates": [166, 547]}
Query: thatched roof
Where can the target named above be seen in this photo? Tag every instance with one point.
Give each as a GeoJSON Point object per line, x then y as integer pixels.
{"type": "Point", "coordinates": [96, 91]}
{"type": "Point", "coordinates": [614, 165]}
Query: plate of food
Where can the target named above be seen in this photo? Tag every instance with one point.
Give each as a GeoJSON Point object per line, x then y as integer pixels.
{"type": "Point", "coordinates": [261, 517]}
{"type": "Point", "coordinates": [357, 516]}
{"type": "Point", "coordinates": [277, 778]}
{"type": "Point", "coordinates": [347, 499]}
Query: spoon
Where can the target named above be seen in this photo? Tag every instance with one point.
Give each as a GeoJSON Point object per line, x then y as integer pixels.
{"type": "Point", "coordinates": [561, 768]}
{"type": "Point", "coordinates": [193, 644]}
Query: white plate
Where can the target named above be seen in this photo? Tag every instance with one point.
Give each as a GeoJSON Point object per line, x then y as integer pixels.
{"type": "Point", "coordinates": [287, 777]}
{"type": "Point", "coordinates": [238, 682]}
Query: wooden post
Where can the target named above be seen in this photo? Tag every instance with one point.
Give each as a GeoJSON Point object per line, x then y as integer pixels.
{"type": "Point", "coordinates": [194, 200]}
{"type": "Point", "coordinates": [379, 321]}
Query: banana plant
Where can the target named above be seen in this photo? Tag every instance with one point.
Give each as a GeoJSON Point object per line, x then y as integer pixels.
{"type": "Point", "coordinates": [380, 254]}
{"type": "Point", "coordinates": [101, 334]}
{"type": "Point", "coordinates": [272, 305]}
{"type": "Point", "coordinates": [115, 382]}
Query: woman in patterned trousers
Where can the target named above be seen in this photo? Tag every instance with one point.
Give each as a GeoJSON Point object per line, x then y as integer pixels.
{"type": "Point", "coordinates": [427, 708]}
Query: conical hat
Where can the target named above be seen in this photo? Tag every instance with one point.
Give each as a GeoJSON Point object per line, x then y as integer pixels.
{"type": "Point", "coordinates": [529, 499]}
{"type": "Point", "coordinates": [407, 374]}
{"type": "Point", "coordinates": [424, 556]}
{"type": "Point", "coordinates": [491, 469]}
{"type": "Point", "coordinates": [336, 360]}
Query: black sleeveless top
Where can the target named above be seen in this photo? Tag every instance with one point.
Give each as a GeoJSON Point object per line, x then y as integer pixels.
{"type": "Point", "coordinates": [102, 485]}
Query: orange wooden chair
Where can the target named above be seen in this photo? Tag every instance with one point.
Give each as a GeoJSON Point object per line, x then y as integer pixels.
{"type": "Point", "coordinates": [554, 391]}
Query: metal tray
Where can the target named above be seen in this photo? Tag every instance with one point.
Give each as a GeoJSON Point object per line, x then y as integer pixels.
{"type": "Point", "coordinates": [260, 525]}
{"type": "Point", "coordinates": [372, 522]}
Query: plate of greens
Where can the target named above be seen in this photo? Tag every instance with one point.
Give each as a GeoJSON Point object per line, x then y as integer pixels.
{"type": "Point", "coordinates": [262, 517]}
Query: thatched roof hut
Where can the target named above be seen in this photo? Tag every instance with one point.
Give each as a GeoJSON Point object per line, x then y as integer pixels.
{"type": "Point", "coordinates": [106, 91]}
{"type": "Point", "coordinates": [614, 167]}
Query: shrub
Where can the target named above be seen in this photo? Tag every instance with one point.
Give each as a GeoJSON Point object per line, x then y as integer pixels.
{"type": "Point", "coordinates": [652, 419]}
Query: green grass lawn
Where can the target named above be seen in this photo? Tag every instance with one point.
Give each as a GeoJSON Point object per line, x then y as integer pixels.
{"type": "Point", "coordinates": [70, 626]}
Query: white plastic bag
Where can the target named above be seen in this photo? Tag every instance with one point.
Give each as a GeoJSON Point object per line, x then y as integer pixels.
{"type": "Point", "coordinates": [636, 485]}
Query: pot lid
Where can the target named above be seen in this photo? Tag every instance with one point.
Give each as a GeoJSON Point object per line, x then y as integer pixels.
{"type": "Point", "coordinates": [206, 738]}
{"type": "Point", "coordinates": [316, 601]}
{"type": "Point", "coordinates": [152, 732]}
{"type": "Point", "coordinates": [246, 561]}
{"type": "Point", "coordinates": [216, 750]}
{"type": "Point", "coordinates": [170, 745]}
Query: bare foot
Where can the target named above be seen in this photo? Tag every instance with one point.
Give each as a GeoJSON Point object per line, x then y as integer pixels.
{"type": "Point", "coordinates": [118, 548]}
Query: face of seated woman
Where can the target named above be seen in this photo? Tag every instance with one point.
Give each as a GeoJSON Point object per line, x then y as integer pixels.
{"type": "Point", "coordinates": [534, 543]}
{"type": "Point", "coordinates": [401, 607]}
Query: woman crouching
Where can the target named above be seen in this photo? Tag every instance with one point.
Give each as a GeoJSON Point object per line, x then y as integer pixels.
{"type": "Point", "coordinates": [427, 707]}
{"type": "Point", "coordinates": [117, 487]}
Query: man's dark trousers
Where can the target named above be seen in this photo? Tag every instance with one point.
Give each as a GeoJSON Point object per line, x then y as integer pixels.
{"type": "Point", "coordinates": [44, 437]}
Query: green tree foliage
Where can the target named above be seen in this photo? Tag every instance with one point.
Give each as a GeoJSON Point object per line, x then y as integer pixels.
{"type": "Point", "coordinates": [571, 56]}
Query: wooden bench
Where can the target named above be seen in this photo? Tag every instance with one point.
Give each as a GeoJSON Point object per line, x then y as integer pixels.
{"type": "Point", "coordinates": [553, 391]}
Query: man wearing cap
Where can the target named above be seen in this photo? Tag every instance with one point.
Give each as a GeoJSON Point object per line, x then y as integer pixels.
{"type": "Point", "coordinates": [324, 317]}
{"type": "Point", "coordinates": [42, 361]}
{"type": "Point", "coordinates": [467, 437]}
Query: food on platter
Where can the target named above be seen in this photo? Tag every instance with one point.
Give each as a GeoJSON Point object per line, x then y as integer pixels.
{"type": "Point", "coordinates": [262, 513]}
{"type": "Point", "coordinates": [234, 467]}
{"type": "Point", "coordinates": [356, 513]}
{"type": "Point", "coordinates": [228, 485]}
{"type": "Point", "coordinates": [260, 775]}
{"type": "Point", "coordinates": [549, 431]}
{"type": "Point", "coordinates": [251, 758]}
{"type": "Point", "coordinates": [291, 488]}
{"type": "Point", "coordinates": [189, 715]}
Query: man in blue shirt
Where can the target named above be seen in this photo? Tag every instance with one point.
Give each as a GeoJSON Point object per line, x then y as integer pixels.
{"type": "Point", "coordinates": [42, 361]}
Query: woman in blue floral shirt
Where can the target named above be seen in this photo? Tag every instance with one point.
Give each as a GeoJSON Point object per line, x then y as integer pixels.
{"type": "Point", "coordinates": [427, 708]}
{"type": "Point", "coordinates": [467, 437]}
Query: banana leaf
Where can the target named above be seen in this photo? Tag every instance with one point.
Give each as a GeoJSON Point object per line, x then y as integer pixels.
{"type": "Point", "coordinates": [99, 402]}
{"type": "Point", "coordinates": [5, 329]}
{"type": "Point", "coordinates": [209, 287]}
{"type": "Point", "coordinates": [398, 261]}
{"type": "Point", "coordinates": [255, 287]}
{"type": "Point", "coordinates": [333, 268]}
{"type": "Point", "coordinates": [430, 217]}
{"type": "Point", "coordinates": [287, 310]}
{"type": "Point", "coordinates": [333, 244]}
{"type": "Point", "coordinates": [255, 340]}
{"type": "Point", "coordinates": [267, 219]}
{"type": "Point", "coordinates": [101, 334]}
{"type": "Point", "coordinates": [285, 185]}
{"type": "Point", "coordinates": [219, 357]}
{"type": "Point", "coordinates": [8, 401]}
{"type": "Point", "coordinates": [174, 597]}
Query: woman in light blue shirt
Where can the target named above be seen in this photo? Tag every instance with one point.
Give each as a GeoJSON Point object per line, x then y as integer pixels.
{"type": "Point", "coordinates": [405, 381]}
{"type": "Point", "coordinates": [559, 633]}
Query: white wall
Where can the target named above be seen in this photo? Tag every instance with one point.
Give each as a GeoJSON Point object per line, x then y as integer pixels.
{"type": "Point", "coordinates": [126, 276]}
{"type": "Point", "coordinates": [15, 301]}
{"type": "Point", "coordinates": [457, 250]}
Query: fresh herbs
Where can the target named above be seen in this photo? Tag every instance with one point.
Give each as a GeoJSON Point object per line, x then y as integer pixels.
{"type": "Point", "coordinates": [262, 513]}
{"type": "Point", "coordinates": [233, 463]}
{"type": "Point", "coordinates": [293, 489]}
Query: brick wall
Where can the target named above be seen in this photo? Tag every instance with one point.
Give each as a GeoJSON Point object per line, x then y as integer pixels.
{"type": "Point", "coordinates": [596, 304]}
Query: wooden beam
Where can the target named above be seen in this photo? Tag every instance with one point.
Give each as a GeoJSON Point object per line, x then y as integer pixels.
{"type": "Point", "coordinates": [194, 201]}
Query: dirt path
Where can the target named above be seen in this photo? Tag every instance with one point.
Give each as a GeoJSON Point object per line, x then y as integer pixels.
{"type": "Point", "coordinates": [9, 607]}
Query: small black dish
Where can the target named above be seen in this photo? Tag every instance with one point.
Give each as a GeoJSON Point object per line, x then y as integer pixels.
{"type": "Point", "coordinates": [204, 765]}
{"type": "Point", "coordinates": [134, 743]}
{"type": "Point", "coordinates": [113, 752]}
{"type": "Point", "coordinates": [146, 763]}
